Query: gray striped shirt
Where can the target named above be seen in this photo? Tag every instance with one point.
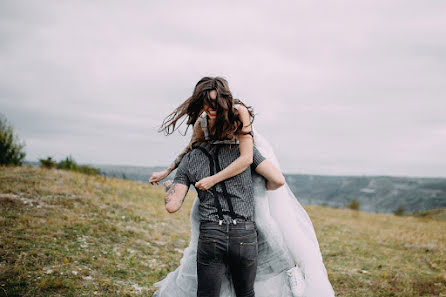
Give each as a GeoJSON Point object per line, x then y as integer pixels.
{"type": "Point", "coordinates": [195, 165]}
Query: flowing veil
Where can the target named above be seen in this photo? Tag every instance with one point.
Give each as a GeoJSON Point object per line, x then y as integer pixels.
{"type": "Point", "coordinates": [286, 238]}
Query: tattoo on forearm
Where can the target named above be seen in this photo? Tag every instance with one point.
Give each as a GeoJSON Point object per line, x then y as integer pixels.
{"type": "Point", "coordinates": [170, 186]}
{"type": "Point", "coordinates": [170, 190]}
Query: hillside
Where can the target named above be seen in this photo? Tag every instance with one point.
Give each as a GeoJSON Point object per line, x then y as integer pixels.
{"type": "Point", "coordinates": [382, 194]}
{"type": "Point", "coordinates": [68, 234]}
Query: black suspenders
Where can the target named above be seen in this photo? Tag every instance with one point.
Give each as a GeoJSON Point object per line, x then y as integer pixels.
{"type": "Point", "coordinates": [213, 191]}
{"type": "Point", "coordinates": [223, 185]}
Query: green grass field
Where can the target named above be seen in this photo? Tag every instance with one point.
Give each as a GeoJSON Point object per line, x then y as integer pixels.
{"type": "Point", "coordinates": [69, 234]}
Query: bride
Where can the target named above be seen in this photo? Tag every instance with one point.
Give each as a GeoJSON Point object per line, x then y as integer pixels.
{"type": "Point", "coordinates": [289, 260]}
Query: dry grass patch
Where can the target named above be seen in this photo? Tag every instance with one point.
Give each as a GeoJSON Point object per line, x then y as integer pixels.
{"type": "Point", "coordinates": [69, 234]}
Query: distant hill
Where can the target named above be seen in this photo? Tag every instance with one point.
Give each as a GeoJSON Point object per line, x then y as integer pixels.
{"type": "Point", "coordinates": [382, 194]}
{"type": "Point", "coordinates": [135, 173]}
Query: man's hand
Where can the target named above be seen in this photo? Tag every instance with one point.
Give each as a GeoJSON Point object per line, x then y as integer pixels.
{"type": "Point", "coordinates": [206, 183]}
{"type": "Point", "coordinates": [158, 176]}
{"type": "Point", "coordinates": [167, 184]}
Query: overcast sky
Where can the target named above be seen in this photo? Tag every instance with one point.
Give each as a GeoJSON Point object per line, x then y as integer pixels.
{"type": "Point", "coordinates": [338, 87]}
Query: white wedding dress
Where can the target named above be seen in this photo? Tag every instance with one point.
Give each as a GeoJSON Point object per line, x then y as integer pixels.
{"type": "Point", "coordinates": [286, 238]}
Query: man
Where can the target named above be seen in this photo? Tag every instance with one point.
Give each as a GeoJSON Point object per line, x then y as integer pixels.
{"type": "Point", "coordinates": [228, 234]}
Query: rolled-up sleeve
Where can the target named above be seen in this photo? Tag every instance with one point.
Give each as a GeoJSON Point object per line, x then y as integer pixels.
{"type": "Point", "coordinates": [182, 176]}
{"type": "Point", "coordinates": [257, 158]}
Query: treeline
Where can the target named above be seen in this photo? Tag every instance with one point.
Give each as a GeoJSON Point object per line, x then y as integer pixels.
{"type": "Point", "coordinates": [12, 153]}
{"type": "Point", "coordinates": [68, 164]}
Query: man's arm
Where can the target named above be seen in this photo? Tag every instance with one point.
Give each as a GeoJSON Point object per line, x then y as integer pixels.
{"type": "Point", "coordinates": [274, 178]}
{"type": "Point", "coordinates": [176, 191]}
{"type": "Point", "coordinates": [174, 196]}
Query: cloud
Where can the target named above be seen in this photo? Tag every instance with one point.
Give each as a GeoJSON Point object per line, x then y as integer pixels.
{"type": "Point", "coordinates": [344, 87]}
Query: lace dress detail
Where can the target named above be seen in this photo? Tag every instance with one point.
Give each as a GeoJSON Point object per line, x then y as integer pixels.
{"type": "Point", "coordinates": [296, 281]}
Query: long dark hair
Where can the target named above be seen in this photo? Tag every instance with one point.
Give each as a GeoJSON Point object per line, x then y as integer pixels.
{"type": "Point", "coordinates": [227, 123]}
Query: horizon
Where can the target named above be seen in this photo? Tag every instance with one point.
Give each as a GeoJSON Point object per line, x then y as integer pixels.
{"type": "Point", "coordinates": [284, 172]}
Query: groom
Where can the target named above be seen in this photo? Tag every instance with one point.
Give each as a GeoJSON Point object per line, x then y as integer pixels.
{"type": "Point", "coordinates": [228, 233]}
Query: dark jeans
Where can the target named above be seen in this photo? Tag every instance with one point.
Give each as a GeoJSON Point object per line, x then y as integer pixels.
{"type": "Point", "coordinates": [227, 245]}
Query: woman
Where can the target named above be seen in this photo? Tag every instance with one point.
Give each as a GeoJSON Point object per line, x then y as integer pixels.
{"type": "Point", "coordinates": [289, 260]}
{"type": "Point", "coordinates": [213, 96]}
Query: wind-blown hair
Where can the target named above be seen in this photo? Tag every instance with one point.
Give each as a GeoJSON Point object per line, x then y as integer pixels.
{"type": "Point", "coordinates": [227, 123]}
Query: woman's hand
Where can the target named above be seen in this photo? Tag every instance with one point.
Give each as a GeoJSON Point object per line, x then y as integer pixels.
{"type": "Point", "coordinates": [157, 176]}
{"type": "Point", "coordinates": [206, 183]}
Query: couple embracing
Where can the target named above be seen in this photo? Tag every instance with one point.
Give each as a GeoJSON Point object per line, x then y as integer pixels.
{"type": "Point", "coordinates": [250, 236]}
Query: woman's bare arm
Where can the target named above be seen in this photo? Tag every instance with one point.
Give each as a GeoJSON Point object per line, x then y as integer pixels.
{"type": "Point", "coordinates": [274, 178]}
{"type": "Point", "coordinates": [239, 164]}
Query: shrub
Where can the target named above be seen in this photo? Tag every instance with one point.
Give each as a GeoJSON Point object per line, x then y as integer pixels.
{"type": "Point", "coordinates": [400, 211]}
{"type": "Point", "coordinates": [70, 164]}
{"type": "Point", "coordinates": [10, 149]}
{"type": "Point", "coordinates": [48, 163]}
{"type": "Point", "coordinates": [88, 170]}
{"type": "Point", "coordinates": [354, 204]}
{"type": "Point", "coordinates": [67, 164]}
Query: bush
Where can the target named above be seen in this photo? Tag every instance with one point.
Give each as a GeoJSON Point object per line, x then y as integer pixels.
{"type": "Point", "coordinates": [70, 164]}
{"type": "Point", "coordinates": [48, 163]}
{"type": "Point", "coordinates": [400, 211]}
{"type": "Point", "coordinates": [88, 170]}
{"type": "Point", "coordinates": [67, 164]}
{"type": "Point", "coordinates": [354, 204]}
{"type": "Point", "coordinates": [10, 149]}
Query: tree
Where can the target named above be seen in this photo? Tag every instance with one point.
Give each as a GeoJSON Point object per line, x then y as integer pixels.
{"type": "Point", "coordinates": [354, 204]}
{"type": "Point", "coordinates": [10, 148]}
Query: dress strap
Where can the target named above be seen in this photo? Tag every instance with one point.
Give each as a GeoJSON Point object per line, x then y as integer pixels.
{"type": "Point", "coordinates": [204, 125]}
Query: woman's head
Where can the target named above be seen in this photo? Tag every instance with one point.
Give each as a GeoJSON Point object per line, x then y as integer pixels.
{"type": "Point", "coordinates": [214, 95]}
{"type": "Point", "coordinates": [211, 94]}
{"type": "Point", "coordinates": [210, 105]}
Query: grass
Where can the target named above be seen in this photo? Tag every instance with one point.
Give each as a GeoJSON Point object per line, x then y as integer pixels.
{"type": "Point", "coordinates": [69, 234]}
